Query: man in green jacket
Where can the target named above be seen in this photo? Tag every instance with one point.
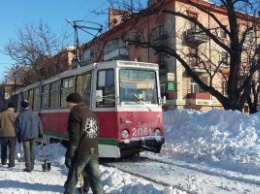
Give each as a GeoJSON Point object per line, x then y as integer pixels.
{"type": "Point", "coordinates": [8, 135]}
{"type": "Point", "coordinates": [82, 151]}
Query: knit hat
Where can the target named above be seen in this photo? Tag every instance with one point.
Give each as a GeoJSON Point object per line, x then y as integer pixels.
{"type": "Point", "coordinates": [25, 103]}
{"type": "Point", "coordinates": [74, 97]}
{"type": "Point", "coordinates": [11, 105]}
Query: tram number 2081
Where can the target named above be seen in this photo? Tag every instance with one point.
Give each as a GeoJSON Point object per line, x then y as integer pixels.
{"type": "Point", "coordinates": [141, 132]}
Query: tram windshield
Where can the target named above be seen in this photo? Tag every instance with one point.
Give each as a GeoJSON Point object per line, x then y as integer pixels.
{"type": "Point", "coordinates": [137, 87]}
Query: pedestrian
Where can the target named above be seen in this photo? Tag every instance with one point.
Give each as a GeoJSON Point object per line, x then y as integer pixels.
{"type": "Point", "coordinates": [82, 151]}
{"type": "Point", "coordinates": [8, 134]}
{"type": "Point", "coordinates": [28, 128]}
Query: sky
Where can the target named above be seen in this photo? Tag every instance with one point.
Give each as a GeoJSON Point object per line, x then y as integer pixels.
{"type": "Point", "coordinates": [14, 14]}
{"type": "Point", "coordinates": [214, 152]}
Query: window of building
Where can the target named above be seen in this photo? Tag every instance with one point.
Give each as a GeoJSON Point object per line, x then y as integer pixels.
{"type": "Point", "coordinates": [195, 16]}
{"type": "Point", "coordinates": [222, 34]}
{"type": "Point", "coordinates": [194, 87]}
{"type": "Point", "coordinates": [224, 59]}
{"type": "Point", "coordinates": [224, 88]}
{"type": "Point", "coordinates": [66, 89]}
{"type": "Point", "coordinates": [250, 39]}
{"type": "Point", "coordinates": [162, 61]}
{"type": "Point", "coordinates": [163, 88]}
{"type": "Point", "coordinates": [194, 60]}
{"type": "Point", "coordinates": [83, 87]}
{"type": "Point", "coordinates": [161, 29]}
{"type": "Point", "coordinates": [87, 55]}
{"type": "Point", "coordinates": [112, 45]}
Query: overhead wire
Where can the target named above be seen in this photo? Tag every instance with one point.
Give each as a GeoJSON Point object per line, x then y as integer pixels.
{"type": "Point", "coordinates": [106, 1]}
{"type": "Point", "coordinates": [87, 16]}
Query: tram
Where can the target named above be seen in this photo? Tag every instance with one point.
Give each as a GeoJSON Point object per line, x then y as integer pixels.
{"type": "Point", "coordinates": [125, 95]}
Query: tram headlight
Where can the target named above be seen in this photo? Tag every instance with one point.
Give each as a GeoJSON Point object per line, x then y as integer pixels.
{"type": "Point", "coordinates": [157, 135]}
{"type": "Point", "coordinates": [125, 133]}
{"type": "Point", "coordinates": [157, 132]}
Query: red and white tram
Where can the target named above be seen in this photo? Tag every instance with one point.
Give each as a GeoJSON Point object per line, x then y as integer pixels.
{"type": "Point", "coordinates": [125, 95]}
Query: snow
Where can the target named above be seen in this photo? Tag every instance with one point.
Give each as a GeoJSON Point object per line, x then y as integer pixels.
{"type": "Point", "coordinates": [216, 148]}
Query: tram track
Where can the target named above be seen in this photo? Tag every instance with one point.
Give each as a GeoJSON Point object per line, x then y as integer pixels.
{"type": "Point", "coordinates": [191, 178]}
{"type": "Point", "coordinates": [122, 163]}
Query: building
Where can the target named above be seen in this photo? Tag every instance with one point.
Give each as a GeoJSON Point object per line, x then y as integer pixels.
{"type": "Point", "coordinates": [127, 31]}
{"type": "Point", "coordinates": [201, 52]}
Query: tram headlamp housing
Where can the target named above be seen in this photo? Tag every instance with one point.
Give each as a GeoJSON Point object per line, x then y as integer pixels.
{"type": "Point", "coordinates": [157, 135]}
{"type": "Point", "coordinates": [125, 133]}
{"type": "Point", "coordinates": [157, 132]}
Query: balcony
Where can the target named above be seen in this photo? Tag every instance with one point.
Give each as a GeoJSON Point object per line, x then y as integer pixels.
{"type": "Point", "coordinates": [199, 95]}
{"type": "Point", "coordinates": [195, 37]}
{"type": "Point", "coordinates": [224, 68]}
{"type": "Point", "coordinates": [117, 54]}
{"type": "Point", "coordinates": [88, 61]}
{"type": "Point", "coordinates": [199, 98]}
{"type": "Point", "coordinates": [198, 69]}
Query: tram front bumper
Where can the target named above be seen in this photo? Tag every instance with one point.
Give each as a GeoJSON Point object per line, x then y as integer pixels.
{"type": "Point", "coordinates": [142, 144]}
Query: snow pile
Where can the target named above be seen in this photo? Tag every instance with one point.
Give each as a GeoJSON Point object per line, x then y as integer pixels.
{"type": "Point", "coordinates": [217, 134]}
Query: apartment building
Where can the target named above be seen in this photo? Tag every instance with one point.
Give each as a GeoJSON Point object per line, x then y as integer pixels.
{"type": "Point", "coordinates": [193, 45]}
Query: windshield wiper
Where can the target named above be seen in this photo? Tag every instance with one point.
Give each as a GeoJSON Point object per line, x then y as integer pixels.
{"type": "Point", "coordinates": [139, 99]}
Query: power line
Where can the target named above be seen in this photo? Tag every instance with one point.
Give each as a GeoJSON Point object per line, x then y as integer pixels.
{"type": "Point", "coordinates": [106, 1]}
{"type": "Point", "coordinates": [7, 63]}
{"type": "Point", "coordinates": [99, 6]}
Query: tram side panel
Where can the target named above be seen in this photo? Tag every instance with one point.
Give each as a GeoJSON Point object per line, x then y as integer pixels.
{"type": "Point", "coordinates": [108, 147]}
{"type": "Point", "coordinates": [54, 125]}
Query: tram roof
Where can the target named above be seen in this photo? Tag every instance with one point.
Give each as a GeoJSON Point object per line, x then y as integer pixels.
{"type": "Point", "coordinates": [80, 70]}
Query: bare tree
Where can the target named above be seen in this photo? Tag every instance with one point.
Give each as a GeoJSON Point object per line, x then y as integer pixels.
{"type": "Point", "coordinates": [34, 49]}
{"type": "Point", "coordinates": [240, 70]}
{"type": "Point", "coordinates": [11, 83]}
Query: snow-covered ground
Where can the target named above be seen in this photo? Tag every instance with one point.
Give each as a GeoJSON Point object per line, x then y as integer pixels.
{"type": "Point", "coordinates": [221, 145]}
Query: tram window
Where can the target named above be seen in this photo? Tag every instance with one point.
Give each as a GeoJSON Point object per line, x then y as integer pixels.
{"type": "Point", "coordinates": [25, 95]}
{"type": "Point", "coordinates": [54, 95]}
{"type": "Point", "coordinates": [29, 97]}
{"type": "Point", "coordinates": [35, 103]}
{"type": "Point", "coordinates": [137, 86]}
{"type": "Point", "coordinates": [67, 88]}
{"type": "Point", "coordinates": [106, 84]}
{"type": "Point", "coordinates": [21, 96]}
{"type": "Point", "coordinates": [45, 97]}
{"type": "Point", "coordinates": [19, 100]}
{"type": "Point", "coordinates": [83, 87]}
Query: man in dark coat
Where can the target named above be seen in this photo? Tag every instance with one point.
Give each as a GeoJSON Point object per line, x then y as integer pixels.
{"type": "Point", "coordinates": [28, 128]}
{"type": "Point", "coordinates": [7, 134]}
{"type": "Point", "coordinates": [82, 151]}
